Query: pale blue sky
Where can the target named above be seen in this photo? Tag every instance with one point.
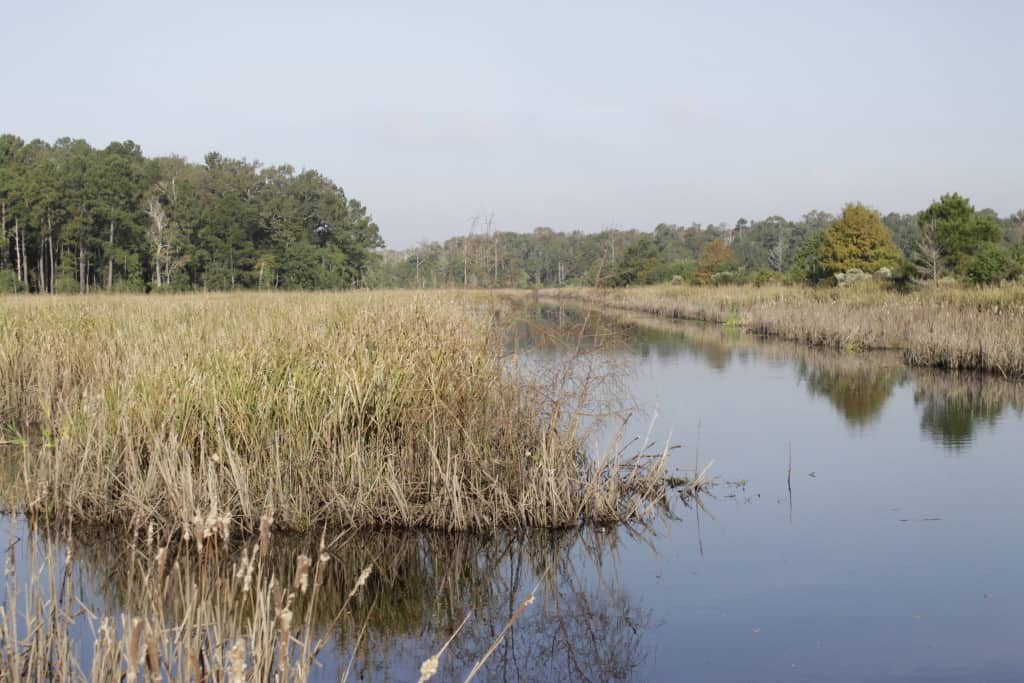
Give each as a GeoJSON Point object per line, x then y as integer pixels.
{"type": "Point", "coordinates": [575, 115]}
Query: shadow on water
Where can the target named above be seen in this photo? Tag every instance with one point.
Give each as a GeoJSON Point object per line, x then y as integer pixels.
{"type": "Point", "coordinates": [954, 405]}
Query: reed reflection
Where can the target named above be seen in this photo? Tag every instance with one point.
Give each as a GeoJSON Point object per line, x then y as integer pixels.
{"type": "Point", "coordinates": [583, 625]}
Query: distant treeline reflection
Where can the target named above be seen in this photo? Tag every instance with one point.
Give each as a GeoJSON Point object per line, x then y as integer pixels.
{"type": "Point", "coordinates": [858, 385]}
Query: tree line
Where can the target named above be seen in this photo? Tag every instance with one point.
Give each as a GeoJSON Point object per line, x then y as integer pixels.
{"type": "Point", "coordinates": [949, 238]}
{"type": "Point", "coordinates": [78, 219]}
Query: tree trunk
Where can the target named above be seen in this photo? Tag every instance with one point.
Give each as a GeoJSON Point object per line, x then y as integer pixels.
{"type": "Point", "coordinates": [158, 245]}
{"type": "Point", "coordinates": [53, 266]}
{"type": "Point", "coordinates": [17, 249]}
{"type": "Point", "coordinates": [110, 260]}
{"type": "Point", "coordinates": [3, 232]}
{"type": "Point", "coordinates": [41, 280]}
{"type": "Point", "coordinates": [83, 285]}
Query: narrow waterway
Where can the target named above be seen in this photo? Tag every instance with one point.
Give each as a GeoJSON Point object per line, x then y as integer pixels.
{"type": "Point", "coordinates": [866, 526]}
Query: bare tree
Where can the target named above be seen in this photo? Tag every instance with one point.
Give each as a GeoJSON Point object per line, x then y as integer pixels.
{"type": "Point", "coordinates": [158, 229]}
{"type": "Point", "coordinates": [110, 260]}
{"type": "Point", "coordinates": [17, 250]}
{"type": "Point", "coordinates": [927, 254]}
{"type": "Point", "coordinates": [3, 232]}
{"type": "Point", "coordinates": [777, 254]}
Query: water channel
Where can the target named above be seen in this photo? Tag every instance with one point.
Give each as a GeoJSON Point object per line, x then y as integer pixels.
{"type": "Point", "coordinates": [867, 525]}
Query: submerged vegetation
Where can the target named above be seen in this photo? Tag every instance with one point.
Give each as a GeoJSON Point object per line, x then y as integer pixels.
{"type": "Point", "coordinates": [202, 412]}
{"type": "Point", "coordinates": [954, 328]}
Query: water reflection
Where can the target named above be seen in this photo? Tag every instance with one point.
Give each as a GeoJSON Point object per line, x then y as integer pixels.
{"type": "Point", "coordinates": [954, 406]}
{"type": "Point", "coordinates": [858, 393]}
{"type": "Point", "coordinates": [583, 626]}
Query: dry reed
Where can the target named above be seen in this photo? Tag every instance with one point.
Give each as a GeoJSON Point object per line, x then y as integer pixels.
{"type": "Point", "coordinates": [358, 409]}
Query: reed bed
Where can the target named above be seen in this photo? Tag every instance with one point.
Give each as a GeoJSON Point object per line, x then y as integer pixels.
{"type": "Point", "coordinates": [949, 327]}
{"type": "Point", "coordinates": [198, 413]}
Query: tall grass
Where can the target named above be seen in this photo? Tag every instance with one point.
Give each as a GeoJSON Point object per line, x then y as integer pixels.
{"type": "Point", "coordinates": [949, 327]}
{"type": "Point", "coordinates": [202, 412]}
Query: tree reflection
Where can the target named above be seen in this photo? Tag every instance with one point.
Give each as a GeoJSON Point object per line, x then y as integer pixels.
{"type": "Point", "coordinates": [858, 385]}
{"type": "Point", "coordinates": [954, 404]}
{"type": "Point", "coordinates": [859, 393]}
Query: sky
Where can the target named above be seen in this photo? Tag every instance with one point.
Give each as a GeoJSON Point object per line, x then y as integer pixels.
{"type": "Point", "coordinates": [572, 115]}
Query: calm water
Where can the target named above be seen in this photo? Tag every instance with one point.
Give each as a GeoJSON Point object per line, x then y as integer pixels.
{"type": "Point", "coordinates": [892, 553]}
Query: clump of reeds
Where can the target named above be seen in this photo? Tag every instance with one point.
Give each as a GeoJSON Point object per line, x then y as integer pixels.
{"type": "Point", "coordinates": [202, 412]}
{"type": "Point", "coordinates": [956, 328]}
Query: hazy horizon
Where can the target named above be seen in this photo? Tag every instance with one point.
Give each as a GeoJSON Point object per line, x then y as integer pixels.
{"type": "Point", "coordinates": [581, 116]}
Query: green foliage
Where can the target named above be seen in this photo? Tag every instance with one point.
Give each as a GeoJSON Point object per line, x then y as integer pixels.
{"type": "Point", "coordinates": [9, 283]}
{"type": "Point", "coordinates": [806, 267]}
{"type": "Point", "coordinates": [859, 239]}
{"type": "Point", "coordinates": [959, 229]}
{"type": "Point", "coordinates": [638, 264]}
{"type": "Point", "coordinates": [87, 219]}
{"type": "Point", "coordinates": [905, 231]}
{"type": "Point", "coordinates": [990, 264]}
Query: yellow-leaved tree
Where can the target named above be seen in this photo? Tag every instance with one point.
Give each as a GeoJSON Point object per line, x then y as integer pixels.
{"type": "Point", "coordinates": [858, 239]}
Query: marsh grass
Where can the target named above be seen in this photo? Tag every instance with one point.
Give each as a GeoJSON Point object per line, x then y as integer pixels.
{"type": "Point", "coordinates": [354, 410]}
{"type": "Point", "coordinates": [949, 327]}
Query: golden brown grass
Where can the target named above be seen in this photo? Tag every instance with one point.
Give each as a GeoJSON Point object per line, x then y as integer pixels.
{"type": "Point", "coordinates": [949, 327]}
{"type": "Point", "coordinates": [359, 409]}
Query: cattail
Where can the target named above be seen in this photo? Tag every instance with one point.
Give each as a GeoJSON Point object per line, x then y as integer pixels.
{"type": "Point", "coordinates": [361, 581]}
{"type": "Point", "coordinates": [250, 565]}
{"type": "Point", "coordinates": [133, 649]}
{"type": "Point", "coordinates": [284, 625]}
{"type": "Point", "coordinates": [265, 522]}
{"type": "Point", "coordinates": [236, 662]}
{"type": "Point", "coordinates": [153, 656]}
{"type": "Point", "coordinates": [225, 526]}
{"type": "Point", "coordinates": [302, 574]}
{"type": "Point", "coordinates": [161, 566]}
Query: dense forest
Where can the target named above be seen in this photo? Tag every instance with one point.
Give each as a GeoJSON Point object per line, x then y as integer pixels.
{"type": "Point", "coordinates": [948, 238]}
{"type": "Point", "coordinates": [78, 219]}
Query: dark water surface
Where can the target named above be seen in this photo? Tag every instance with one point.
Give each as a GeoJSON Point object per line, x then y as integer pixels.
{"type": "Point", "coordinates": [893, 550]}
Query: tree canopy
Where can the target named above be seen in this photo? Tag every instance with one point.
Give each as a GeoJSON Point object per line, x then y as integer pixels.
{"type": "Point", "coordinates": [858, 239]}
{"type": "Point", "coordinates": [959, 229]}
{"type": "Point", "coordinates": [75, 218]}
